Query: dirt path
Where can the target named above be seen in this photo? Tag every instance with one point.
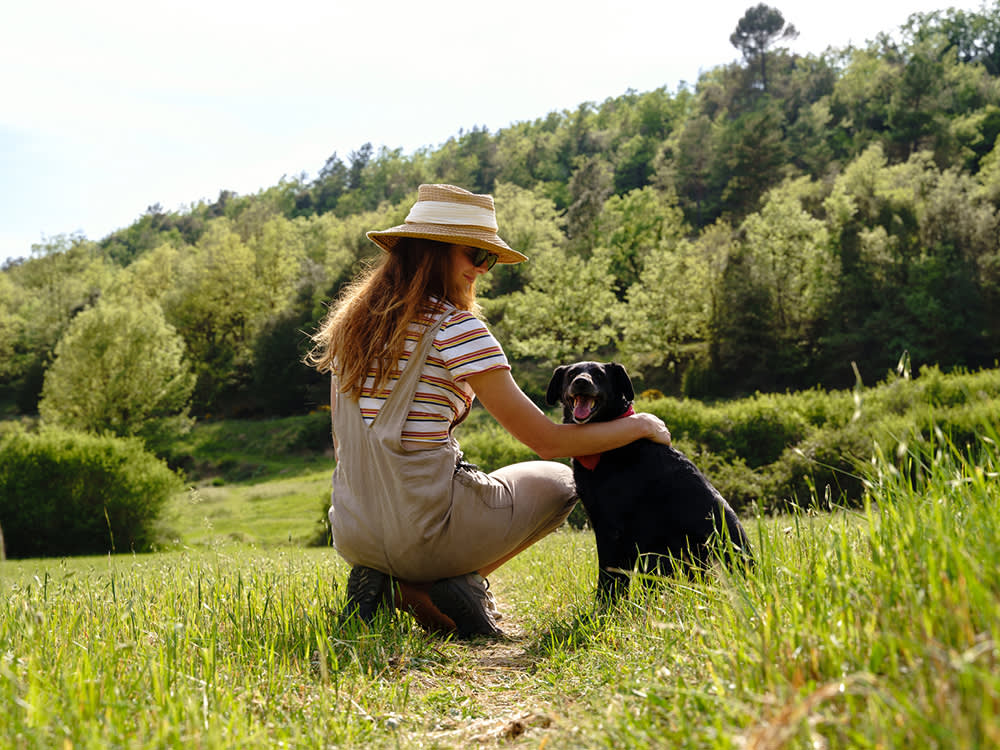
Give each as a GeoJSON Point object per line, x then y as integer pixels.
{"type": "Point", "coordinates": [500, 701]}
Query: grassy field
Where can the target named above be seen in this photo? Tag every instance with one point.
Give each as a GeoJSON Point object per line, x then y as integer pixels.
{"type": "Point", "coordinates": [284, 511]}
{"type": "Point", "coordinates": [869, 629]}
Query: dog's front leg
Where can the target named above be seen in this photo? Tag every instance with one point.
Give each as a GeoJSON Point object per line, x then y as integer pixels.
{"type": "Point", "coordinates": [616, 560]}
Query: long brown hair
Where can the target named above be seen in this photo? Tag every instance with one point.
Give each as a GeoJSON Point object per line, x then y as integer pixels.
{"type": "Point", "coordinates": [366, 326]}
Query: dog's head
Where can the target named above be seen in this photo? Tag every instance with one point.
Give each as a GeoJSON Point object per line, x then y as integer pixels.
{"type": "Point", "coordinates": [590, 391]}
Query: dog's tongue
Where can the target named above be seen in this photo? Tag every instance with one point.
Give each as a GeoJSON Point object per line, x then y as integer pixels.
{"type": "Point", "coordinates": [582, 407]}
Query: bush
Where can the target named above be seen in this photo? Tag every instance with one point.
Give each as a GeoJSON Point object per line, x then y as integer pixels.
{"type": "Point", "coordinates": [755, 430]}
{"type": "Point", "coordinates": [68, 493]}
{"type": "Point", "coordinates": [827, 464]}
{"type": "Point", "coordinates": [489, 446]}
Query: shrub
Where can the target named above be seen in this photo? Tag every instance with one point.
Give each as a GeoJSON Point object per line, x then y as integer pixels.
{"type": "Point", "coordinates": [69, 493]}
{"type": "Point", "coordinates": [490, 446]}
{"type": "Point", "coordinates": [824, 465]}
{"type": "Point", "coordinates": [755, 430]}
{"type": "Point", "coordinates": [934, 388]}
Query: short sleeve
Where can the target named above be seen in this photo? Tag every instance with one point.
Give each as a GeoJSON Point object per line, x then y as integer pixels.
{"type": "Point", "coordinates": [467, 347]}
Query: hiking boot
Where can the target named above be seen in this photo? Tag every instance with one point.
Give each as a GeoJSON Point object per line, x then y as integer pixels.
{"type": "Point", "coordinates": [368, 591]}
{"type": "Point", "coordinates": [468, 601]}
{"type": "Point", "coordinates": [491, 602]}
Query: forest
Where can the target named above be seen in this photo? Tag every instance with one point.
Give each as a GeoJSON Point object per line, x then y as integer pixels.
{"type": "Point", "coordinates": [786, 222]}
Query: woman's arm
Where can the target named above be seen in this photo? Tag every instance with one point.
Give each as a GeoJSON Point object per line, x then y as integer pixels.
{"type": "Point", "coordinates": [518, 415]}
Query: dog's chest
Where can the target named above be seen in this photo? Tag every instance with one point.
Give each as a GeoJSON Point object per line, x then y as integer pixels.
{"type": "Point", "coordinates": [618, 477]}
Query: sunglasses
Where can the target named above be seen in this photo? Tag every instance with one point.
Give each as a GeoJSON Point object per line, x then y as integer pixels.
{"type": "Point", "coordinates": [478, 256]}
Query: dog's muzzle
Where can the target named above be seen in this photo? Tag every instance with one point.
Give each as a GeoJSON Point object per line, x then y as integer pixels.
{"type": "Point", "coordinates": [581, 397]}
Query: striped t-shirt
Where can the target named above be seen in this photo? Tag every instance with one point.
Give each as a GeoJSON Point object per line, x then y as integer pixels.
{"type": "Point", "coordinates": [462, 347]}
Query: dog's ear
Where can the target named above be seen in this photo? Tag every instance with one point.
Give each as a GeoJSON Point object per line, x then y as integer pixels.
{"type": "Point", "coordinates": [621, 381]}
{"type": "Point", "coordinates": [555, 386]}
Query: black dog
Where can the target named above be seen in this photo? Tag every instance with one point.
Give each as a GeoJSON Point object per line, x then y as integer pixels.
{"type": "Point", "coordinates": [646, 501]}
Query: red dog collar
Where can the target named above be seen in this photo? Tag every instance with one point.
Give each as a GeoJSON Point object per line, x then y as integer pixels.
{"type": "Point", "coordinates": [591, 460]}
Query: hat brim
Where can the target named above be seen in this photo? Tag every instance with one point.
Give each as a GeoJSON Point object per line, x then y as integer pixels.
{"type": "Point", "coordinates": [457, 235]}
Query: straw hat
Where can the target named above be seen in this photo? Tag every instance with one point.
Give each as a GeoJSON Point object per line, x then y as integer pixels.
{"type": "Point", "coordinates": [450, 214]}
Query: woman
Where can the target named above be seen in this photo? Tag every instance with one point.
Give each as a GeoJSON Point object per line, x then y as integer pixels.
{"type": "Point", "coordinates": [407, 356]}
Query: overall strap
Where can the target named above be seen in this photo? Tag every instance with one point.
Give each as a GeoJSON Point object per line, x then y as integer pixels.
{"type": "Point", "coordinates": [393, 414]}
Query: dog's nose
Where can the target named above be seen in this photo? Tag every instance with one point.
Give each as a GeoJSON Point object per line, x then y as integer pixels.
{"type": "Point", "coordinates": [582, 383]}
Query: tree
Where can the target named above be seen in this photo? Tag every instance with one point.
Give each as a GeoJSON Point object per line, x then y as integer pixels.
{"type": "Point", "coordinates": [469, 160]}
{"type": "Point", "coordinates": [752, 157]}
{"type": "Point", "coordinates": [669, 308]}
{"type": "Point", "coordinates": [64, 276]}
{"type": "Point", "coordinates": [119, 369]}
{"type": "Point", "coordinates": [566, 310]}
{"type": "Point", "coordinates": [150, 277]}
{"type": "Point", "coordinates": [589, 187]}
{"type": "Point", "coordinates": [975, 36]}
{"type": "Point", "coordinates": [12, 327]}
{"type": "Point", "coordinates": [330, 184]}
{"type": "Point", "coordinates": [359, 161]}
{"type": "Point", "coordinates": [684, 166]}
{"type": "Point", "coordinates": [791, 263]}
{"type": "Point", "coordinates": [760, 27]}
{"type": "Point", "coordinates": [630, 227]}
{"type": "Point", "coordinates": [530, 223]}
{"type": "Point", "coordinates": [279, 252]}
{"type": "Point", "coordinates": [217, 305]}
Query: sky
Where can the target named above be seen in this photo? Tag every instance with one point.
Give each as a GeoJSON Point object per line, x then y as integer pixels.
{"type": "Point", "coordinates": [110, 106]}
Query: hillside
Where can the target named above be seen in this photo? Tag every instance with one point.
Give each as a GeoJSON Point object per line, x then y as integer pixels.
{"type": "Point", "coordinates": [756, 233]}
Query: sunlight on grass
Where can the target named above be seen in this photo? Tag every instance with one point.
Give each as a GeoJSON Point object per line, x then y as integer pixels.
{"type": "Point", "coordinates": [875, 628]}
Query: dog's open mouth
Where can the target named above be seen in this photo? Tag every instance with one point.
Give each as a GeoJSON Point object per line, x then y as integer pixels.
{"type": "Point", "coordinates": [583, 408]}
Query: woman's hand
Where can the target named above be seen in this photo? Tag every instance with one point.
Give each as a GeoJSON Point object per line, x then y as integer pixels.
{"type": "Point", "coordinates": [658, 431]}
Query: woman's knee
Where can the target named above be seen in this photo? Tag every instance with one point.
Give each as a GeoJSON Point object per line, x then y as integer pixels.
{"type": "Point", "coordinates": [539, 479]}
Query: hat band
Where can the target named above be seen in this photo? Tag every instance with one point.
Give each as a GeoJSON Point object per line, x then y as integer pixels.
{"type": "Point", "coordinates": [443, 212]}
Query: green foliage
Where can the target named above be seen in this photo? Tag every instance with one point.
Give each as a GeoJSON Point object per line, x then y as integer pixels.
{"type": "Point", "coordinates": [684, 164]}
{"type": "Point", "coordinates": [12, 326]}
{"type": "Point", "coordinates": [64, 276]}
{"type": "Point", "coordinates": [772, 450]}
{"type": "Point", "coordinates": [589, 187]}
{"type": "Point", "coordinates": [754, 430]}
{"type": "Point", "coordinates": [67, 493]}
{"type": "Point", "coordinates": [488, 445]}
{"type": "Point", "coordinates": [673, 303]}
{"type": "Point", "coordinates": [120, 369]}
{"type": "Point", "coordinates": [630, 228]}
{"type": "Point", "coordinates": [565, 311]}
{"type": "Point", "coordinates": [760, 230]}
{"type": "Point", "coordinates": [533, 225]}
{"type": "Point", "coordinates": [278, 358]}
{"type": "Point", "coordinates": [240, 450]}
{"type": "Point", "coordinates": [752, 156]}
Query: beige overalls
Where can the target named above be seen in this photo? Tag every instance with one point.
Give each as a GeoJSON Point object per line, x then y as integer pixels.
{"type": "Point", "coordinates": [413, 514]}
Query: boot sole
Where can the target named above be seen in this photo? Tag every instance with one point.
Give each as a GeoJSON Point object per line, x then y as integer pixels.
{"type": "Point", "coordinates": [368, 592]}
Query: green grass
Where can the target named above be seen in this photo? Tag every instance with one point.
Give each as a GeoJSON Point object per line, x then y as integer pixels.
{"type": "Point", "coordinates": [262, 482]}
{"type": "Point", "coordinates": [876, 628]}
{"type": "Point", "coordinates": [285, 511]}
